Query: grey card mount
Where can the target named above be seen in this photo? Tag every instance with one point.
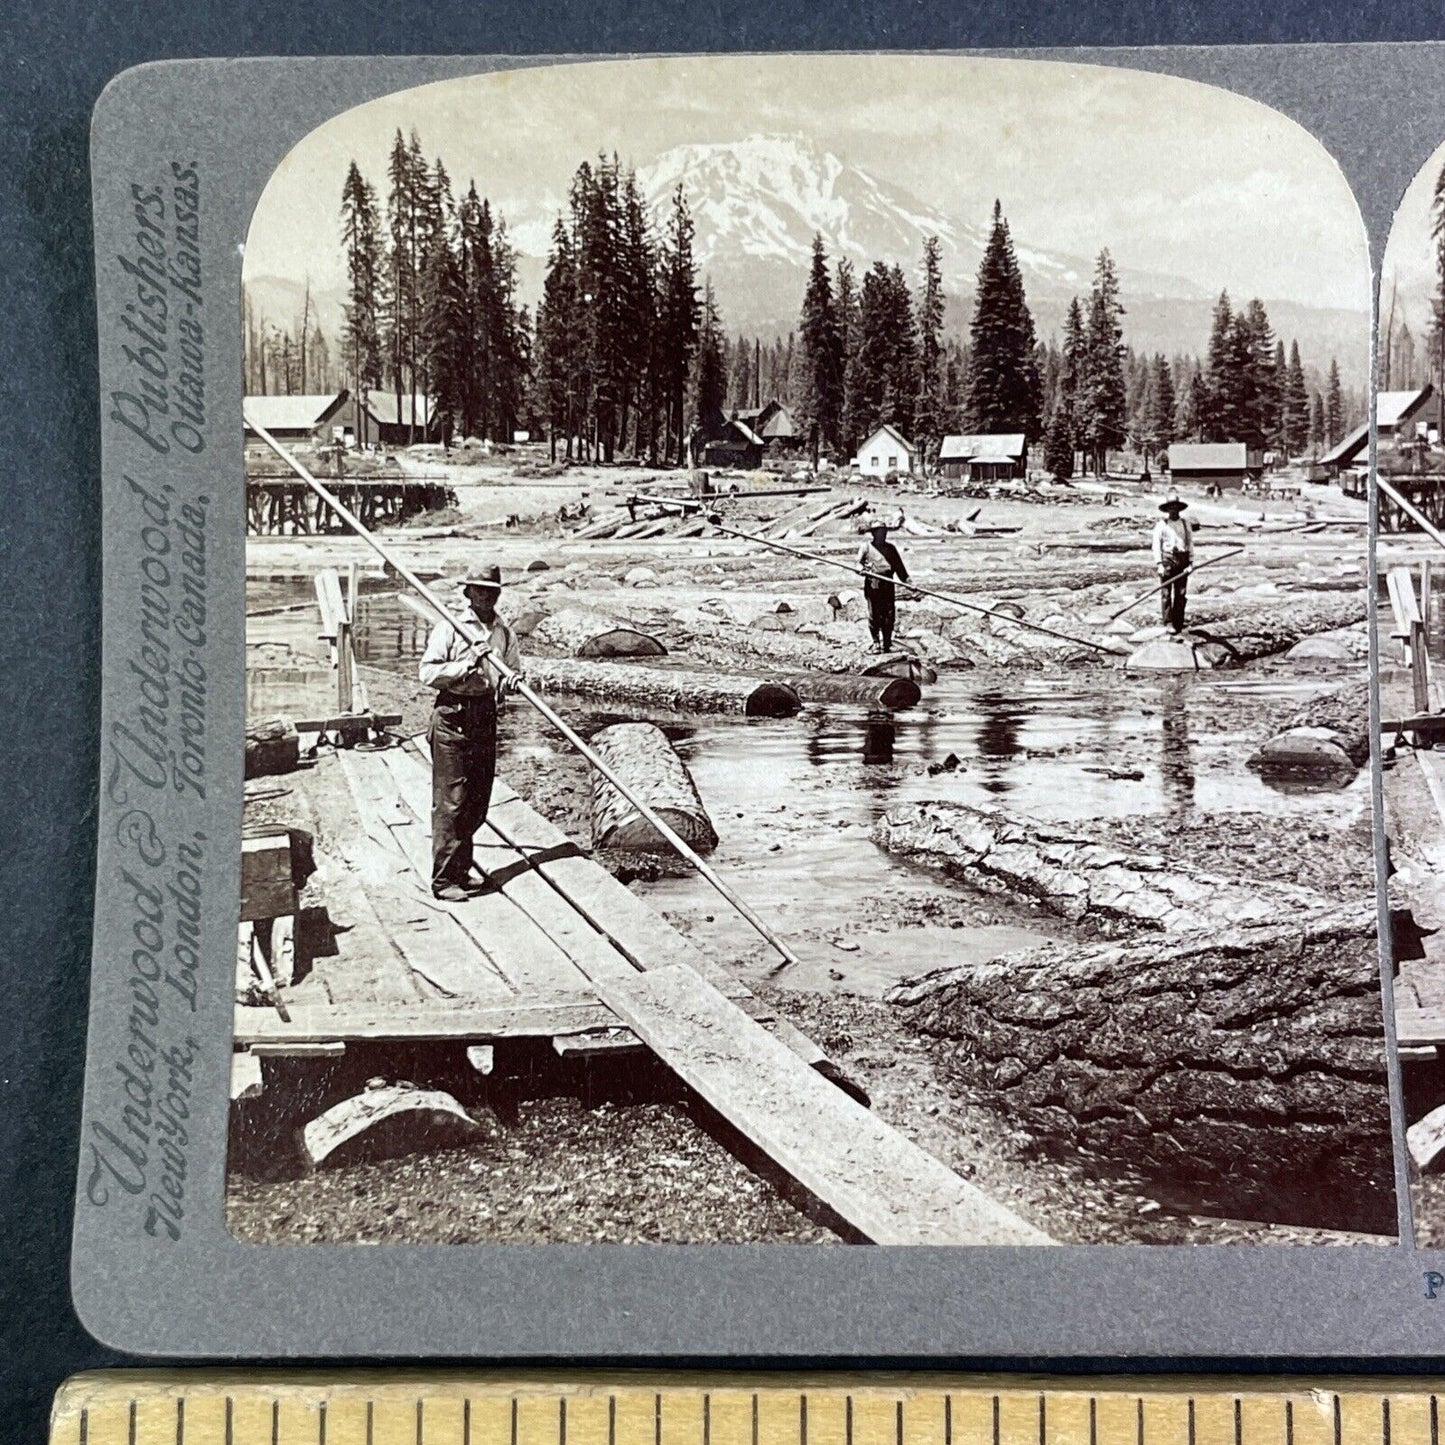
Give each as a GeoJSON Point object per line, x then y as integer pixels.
{"type": "Point", "coordinates": [769, 651]}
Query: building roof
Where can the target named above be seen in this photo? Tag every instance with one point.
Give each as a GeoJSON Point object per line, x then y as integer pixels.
{"type": "Point", "coordinates": [772, 422]}
{"type": "Point", "coordinates": [1208, 456]}
{"type": "Point", "coordinates": [1348, 447]}
{"type": "Point", "coordinates": [1394, 407]}
{"type": "Point", "coordinates": [892, 433]}
{"type": "Point", "coordinates": [301, 412]}
{"type": "Point", "coordinates": [382, 408]}
{"type": "Point", "coordinates": [983, 447]}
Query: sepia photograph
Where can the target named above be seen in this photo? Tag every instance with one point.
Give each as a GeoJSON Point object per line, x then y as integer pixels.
{"type": "Point", "coordinates": [807, 665]}
{"type": "Point", "coordinates": [1410, 480]}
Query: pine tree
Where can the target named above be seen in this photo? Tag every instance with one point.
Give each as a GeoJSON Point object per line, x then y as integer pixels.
{"type": "Point", "coordinates": [1165, 404]}
{"type": "Point", "coordinates": [1003, 379]}
{"type": "Point", "coordinates": [1295, 407]}
{"type": "Point", "coordinates": [1261, 384]}
{"type": "Point", "coordinates": [1194, 409]}
{"type": "Point", "coordinates": [1334, 405]}
{"type": "Point", "coordinates": [1059, 444]}
{"type": "Point", "coordinates": [821, 399]}
{"type": "Point", "coordinates": [1219, 404]}
{"type": "Point", "coordinates": [364, 261]}
{"type": "Point", "coordinates": [1073, 362]}
{"type": "Point", "coordinates": [678, 316]}
{"type": "Point", "coordinates": [1102, 395]}
{"type": "Point", "coordinates": [711, 383]}
{"type": "Point", "coordinates": [929, 423]}
{"type": "Point", "coordinates": [1317, 424]}
{"type": "Point", "coordinates": [558, 343]}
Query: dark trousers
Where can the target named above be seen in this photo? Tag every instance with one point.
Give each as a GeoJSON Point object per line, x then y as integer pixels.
{"type": "Point", "coordinates": [1173, 593]}
{"type": "Point", "coordinates": [463, 738]}
{"type": "Point", "coordinates": [879, 594]}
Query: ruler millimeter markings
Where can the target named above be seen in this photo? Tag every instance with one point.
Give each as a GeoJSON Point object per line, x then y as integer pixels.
{"type": "Point", "coordinates": [235, 1407]}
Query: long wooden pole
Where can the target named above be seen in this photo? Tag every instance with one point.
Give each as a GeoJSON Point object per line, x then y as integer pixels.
{"type": "Point", "coordinates": [1154, 591]}
{"type": "Point", "coordinates": [473, 635]}
{"type": "Point", "coordinates": [913, 586]}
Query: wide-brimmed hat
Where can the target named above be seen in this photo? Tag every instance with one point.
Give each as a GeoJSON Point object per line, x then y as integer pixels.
{"type": "Point", "coordinates": [483, 577]}
{"type": "Point", "coordinates": [1173, 503]}
{"type": "Point", "coordinates": [876, 525]}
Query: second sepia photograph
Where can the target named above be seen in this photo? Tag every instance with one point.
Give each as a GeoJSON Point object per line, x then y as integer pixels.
{"type": "Point", "coordinates": [807, 666]}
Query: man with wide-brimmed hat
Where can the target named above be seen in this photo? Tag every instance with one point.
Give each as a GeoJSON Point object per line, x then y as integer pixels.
{"type": "Point", "coordinates": [463, 730]}
{"type": "Point", "coordinates": [882, 565]}
{"type": "Point", "coordinates": [1173, 556]}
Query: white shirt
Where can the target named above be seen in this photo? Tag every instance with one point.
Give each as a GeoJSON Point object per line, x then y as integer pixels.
{"type": "Point", "coordinates": [1173, 537]}
{"type": "Point", "coordinates": [447, 662]}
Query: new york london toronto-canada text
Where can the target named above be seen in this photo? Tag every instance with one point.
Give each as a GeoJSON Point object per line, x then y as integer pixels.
{"type": "Point", "coordinates": [154, 750]}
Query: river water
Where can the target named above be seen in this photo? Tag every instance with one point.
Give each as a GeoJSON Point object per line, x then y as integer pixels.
{"type": "Point", "coordinates": [795, 799]}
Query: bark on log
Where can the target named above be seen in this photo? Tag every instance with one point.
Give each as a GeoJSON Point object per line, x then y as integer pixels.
{"type": "Point", "coordinates": [793, 651]}
{"type": "Point", "coordinates": [1255, 627]}
{"type": "Point", "coordinates": [671, 689]}
{"type": "Point", "coordinates": [1240, 1072]}
{"type": "Point", "coordinates": [642, 755]}
{"type": "Point", "coordinates": [581, 632]}
{"type": "Point", "coordinates": [1079, 877]}
{"type": "Point", "coordinates": [889, 693]}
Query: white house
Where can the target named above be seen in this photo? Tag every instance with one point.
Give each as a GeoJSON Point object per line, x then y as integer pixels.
{"type": "Point", "coordinates": [887, 450]}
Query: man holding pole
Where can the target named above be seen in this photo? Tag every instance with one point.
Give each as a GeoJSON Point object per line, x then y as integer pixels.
{"type": "Point", "coordinates": [881, 563]}
{"type": "Point", "coordinates": [1173, 556]}
{"type": "Point", "coordinates": [463, 730]}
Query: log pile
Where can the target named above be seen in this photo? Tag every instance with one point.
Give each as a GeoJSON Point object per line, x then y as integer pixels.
{"type": "Point", "coordinates": [1240, 1071]}
{"type": "Point", "coordinates": [644, 758]}
{"type": "Point", "coordinates": [667, 689]}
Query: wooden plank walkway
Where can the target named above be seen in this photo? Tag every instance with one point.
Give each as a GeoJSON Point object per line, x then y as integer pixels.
{"type": "Point", "coordinates": [882, 1184]}
{"type": "Point", "coordinates": [558, 948]}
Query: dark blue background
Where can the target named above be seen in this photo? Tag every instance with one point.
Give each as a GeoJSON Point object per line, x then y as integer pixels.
{"type": "Point", "coordinates": [57, 59]}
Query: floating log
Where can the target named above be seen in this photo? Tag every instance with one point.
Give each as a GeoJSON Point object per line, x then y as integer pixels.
{"type": "Point", "coordinates": [398, 1118]}
{"type": "Point", "coordinates": [1242, 1070]}
{"type": "Point", "coordinates": [1079, 877]}
{"type": "Point", "coordinates": [582, 632]}
{"type": "Point", "coordinates": [798, 652]}
{"type": "Point", "coordinates": [889, 693]}
{"type": "Point", "coordinates": [669, 688]}
{"type": "Point", "coordinates": [642, 755]}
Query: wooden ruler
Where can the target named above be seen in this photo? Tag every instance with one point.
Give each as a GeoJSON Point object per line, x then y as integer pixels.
{"type": "Point", "coordinates": [656, 1408]}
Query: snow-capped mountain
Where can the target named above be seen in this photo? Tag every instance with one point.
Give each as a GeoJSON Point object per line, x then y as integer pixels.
{"type": "Point", "coordinates": [756, 204]}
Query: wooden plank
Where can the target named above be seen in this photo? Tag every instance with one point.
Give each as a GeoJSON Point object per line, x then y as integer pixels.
{"type": "Point", "coordinates": [245, 1076]}
{"type": "Point", "coordinates": [285, 1049]}
{"type": "Point", "coordinates": [587, 949]}
{"type": "Point", "coordinates": [266, 887]}
{"type": "Point", "coordinates": [416, 1023]}
{"type": "Point", "coordinates": [880, 1183]}
{"type": "Point", "coordinates": [569, 1046]}
{"type": "Point", "coordinates": [1415, 1027]}
{"type": "Point", "coordinates": [1419, 668]}
{"type": "Point", "coordinates": [634, 929]}
{"type": "Point", "coordinates": [438, 1021]}
{"type": "Point", "coordinates": [445, 956]}
{"type": "Point", "coordinates": [1425, 1138]}
{"type": "Point", "coordinates": [529, 961]}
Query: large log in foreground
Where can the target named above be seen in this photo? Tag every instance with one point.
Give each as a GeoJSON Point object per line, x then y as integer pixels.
{"type": "Point", "coordinates": [1239, 1072]}
{"type": "Point", "coordinates": [644, 758]}
{"type": "Point", "coordinates": [582, 632]}
{"type": "Point", "coordinates": [671, 689]}
{"type": "Point", "coordinates": [1079, 877]}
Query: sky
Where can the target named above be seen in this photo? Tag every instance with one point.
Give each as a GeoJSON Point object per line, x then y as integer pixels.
{"type": "Point", "coordinates": [1172, 175]}
{"type": "Point", "coordinates": [1409, 262]}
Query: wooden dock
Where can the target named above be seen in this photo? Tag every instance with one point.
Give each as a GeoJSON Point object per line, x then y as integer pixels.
{"type": "Point", "coordinates": [559, 949]}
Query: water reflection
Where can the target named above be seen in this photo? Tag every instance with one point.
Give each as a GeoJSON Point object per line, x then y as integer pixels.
{"type": "Point", "coordinates": [879, 737]}
{"type": "Point", "coordinates": [1000, 726]}
{"type": "Point", "coordinates": [1176, 752]}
